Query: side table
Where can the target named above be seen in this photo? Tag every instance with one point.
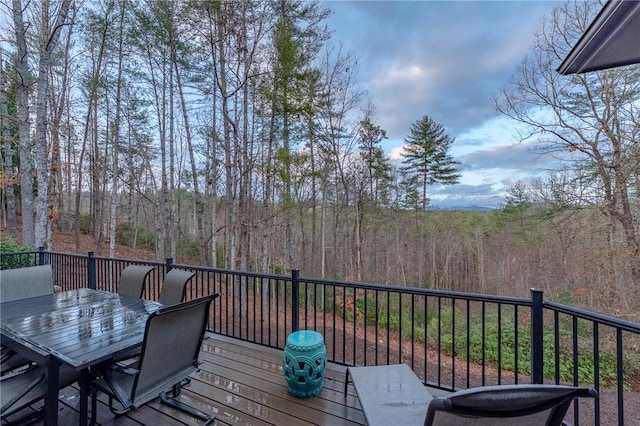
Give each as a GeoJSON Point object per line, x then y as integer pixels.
{"type": "Point", "coordinates": [304, 363]}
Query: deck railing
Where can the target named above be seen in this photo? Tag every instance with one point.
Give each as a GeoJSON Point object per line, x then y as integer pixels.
{"type": "Point", "coordinates": [451, 340]}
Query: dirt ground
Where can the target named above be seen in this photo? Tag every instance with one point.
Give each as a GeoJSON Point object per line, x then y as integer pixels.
{"type": "Point", "coordinates": [65, 242]}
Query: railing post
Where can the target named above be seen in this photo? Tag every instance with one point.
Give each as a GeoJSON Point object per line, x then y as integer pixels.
{"type": "Point", "coordinates": [537, 336]}
{"type": "Point", "coordinates": [168, 264]}
{"type": "Point", "coordinates": [91, 271]}
{"type": "Point", "coordinates": [295, 301]}
{"type": "Point", "coordinates": [41, 255]}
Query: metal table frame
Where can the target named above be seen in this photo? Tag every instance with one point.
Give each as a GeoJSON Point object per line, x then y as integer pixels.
{"type": "Point", "coordinates": [80, 328]}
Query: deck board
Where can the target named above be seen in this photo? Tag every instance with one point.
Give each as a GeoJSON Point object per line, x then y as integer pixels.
{"type": "Point", "coordinates": [243, 384]}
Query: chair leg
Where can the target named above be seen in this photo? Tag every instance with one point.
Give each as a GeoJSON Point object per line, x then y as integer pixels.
{"type": "Point", "coordinates": [166, 399]}
{"type": "Point", "coordinates": [177, 388]}
{"type": "Point", "coordinates": [346, 382]}
{"type": "Point", "coordinates": [115, 411]}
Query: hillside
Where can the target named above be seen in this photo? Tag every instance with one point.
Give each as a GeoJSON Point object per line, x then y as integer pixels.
{"type": "Point", "coordinates": [64, 242]}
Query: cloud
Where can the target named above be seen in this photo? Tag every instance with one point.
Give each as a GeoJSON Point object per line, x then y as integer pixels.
{"type": "Point", "coordinates": [396, 152]}
{"type": "Point", "coordinates": [447, 60]}
{"type": "Point", "coordinates": [464, 195]}
{"type": "Point", "coordinates": [442, 59]}
{"type": "Point", "coordinates": [487, 172]}
{"type": "Point", "coordinates": [508, 158]}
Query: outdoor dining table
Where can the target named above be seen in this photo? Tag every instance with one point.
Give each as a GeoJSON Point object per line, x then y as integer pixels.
{"type": "Point", "coordinates": [80, 328]}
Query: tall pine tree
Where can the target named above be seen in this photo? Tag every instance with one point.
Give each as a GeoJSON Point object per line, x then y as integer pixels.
{"type": "Point", "coordinates": [426, 159]}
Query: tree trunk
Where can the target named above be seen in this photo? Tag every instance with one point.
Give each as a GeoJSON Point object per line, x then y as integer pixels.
{"type": "Point", "coordinates": [230, 178]}
{"type": "Point", "coordinates": [199, 206]}
{"type": "Point", "coordinates": [24, 127]}
{"type": "Point", "coordinates": [57, 207]}
{"type": "Point", "coordinates": [49, 40]}
{"type": "Point", "coordinates": [115, 141]}
{"type": "Point", "coordinates": [92, 101]}
{"type": "Point", "coordinates": [7, 144]}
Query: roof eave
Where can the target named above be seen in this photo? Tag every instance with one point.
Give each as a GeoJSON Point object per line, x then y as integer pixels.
{"type": "Point", "coordinates": [616, 18]}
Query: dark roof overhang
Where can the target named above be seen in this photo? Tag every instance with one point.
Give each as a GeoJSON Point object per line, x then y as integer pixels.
{"type": "Point", "coordinates": [612, 40]}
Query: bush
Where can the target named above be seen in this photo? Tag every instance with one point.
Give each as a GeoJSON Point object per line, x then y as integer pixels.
{"type": "Point", "coordinates": [484, 348]}
{"type": "Point", "coordinates": [20, 255]}
{"type": "Point", "coordinates": [188, 249]}
{"type": "Point", "coordinates": [145, 239]}
{"type": "Point", "coordinates": [123, 234]}
{"type": "Point", "coordinates": [9, 245]}
{"type": "Point", "coordinates": [84, 223]}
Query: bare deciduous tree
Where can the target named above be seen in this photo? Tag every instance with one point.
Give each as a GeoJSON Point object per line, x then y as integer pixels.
{"type": "Point", "coordinates": [24, 127]}
{"type": "Point", "coordinates": [49, 37]}
{"type": "Point", "coordinates": [590, 121]}
{"type": "Point", "coordinates": [7, 169]}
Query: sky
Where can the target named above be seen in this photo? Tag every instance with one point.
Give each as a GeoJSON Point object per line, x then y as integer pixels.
{"type": "Point", "coordinates": [447, 60]}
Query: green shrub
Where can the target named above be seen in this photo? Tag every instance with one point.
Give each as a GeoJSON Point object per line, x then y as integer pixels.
{"type": "Point", "coordinates": [84, 223]}
{"type": "Point", "coordinates": [9, 245]}
{"type": "Point", "coordinates": [188, 248]}
{"type": "Point", "coordinates": [145, 239]}
{"type": "Point", "coordinates": [123, 234]}
{"type": "Point", "coordinates": [484, 347]}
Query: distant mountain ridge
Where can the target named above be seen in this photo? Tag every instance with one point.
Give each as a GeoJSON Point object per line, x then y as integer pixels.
{"type": "Point", "coordinates": [465, 208]}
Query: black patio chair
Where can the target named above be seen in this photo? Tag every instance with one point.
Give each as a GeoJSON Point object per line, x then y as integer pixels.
{"type": "Point", "coordinates": [524, 405]}
{"type": "Point", "coordinates": [11, 361]}
{"type": "Point", "coordinates": [171, 293]}
{"type": "Point", "coordinates": [23, 388]}
{"type": "Point", "coordinates": [22, 283]}
{"type": "Point", "coordinates": [174, 286]}
{"type": "Point", "coordinates": [132, 280]}
{"type": "Point", "coordinates": [16, 284]}
{"type": "Point", "coordinates": [158, 368]}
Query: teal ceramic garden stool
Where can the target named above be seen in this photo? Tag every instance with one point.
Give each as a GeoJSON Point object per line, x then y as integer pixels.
{"type": "Point", "coordinates": [304, 360]}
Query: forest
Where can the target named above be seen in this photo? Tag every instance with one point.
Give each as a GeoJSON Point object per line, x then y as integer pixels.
{"type": "Point", "coordinates": [234, 134]}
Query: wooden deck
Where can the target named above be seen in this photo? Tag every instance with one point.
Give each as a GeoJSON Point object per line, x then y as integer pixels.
{"type": "Point", "coordinates": [242, 384]}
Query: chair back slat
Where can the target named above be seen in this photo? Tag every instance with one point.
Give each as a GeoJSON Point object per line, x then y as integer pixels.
{"type": "Point", "coordinates": [132, 280]}
{"type": "Point", "coordinates": [171, 346]}
{"type": "Point", "coordinates": [174, 286]}
{"type": "Point", "coordinates": [23, 283]}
